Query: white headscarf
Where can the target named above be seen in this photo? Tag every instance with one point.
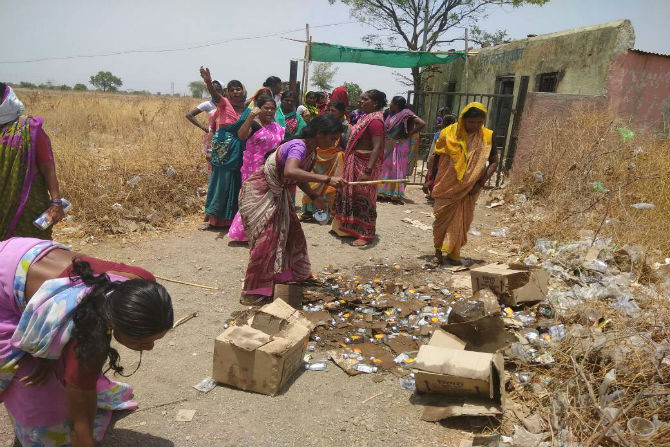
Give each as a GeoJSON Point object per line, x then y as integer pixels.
{"type": "Point", "coordinates": [11, 108]}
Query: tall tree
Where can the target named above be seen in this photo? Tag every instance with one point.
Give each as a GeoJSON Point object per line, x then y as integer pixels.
{"type": "Point", "coordinates": [105, 81]}
{"type": "Point", "coordinates": [354, 91]}
{"type": "Point", "coordinates": [323, 74]}
{"type": "Point", "coordinates": [421, 25]}
{"type": "Point", "coordinates": [197, 88]}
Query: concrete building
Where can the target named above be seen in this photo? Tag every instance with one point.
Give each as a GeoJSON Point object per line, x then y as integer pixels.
{"type": "Point", "coordinates": [595, 64]}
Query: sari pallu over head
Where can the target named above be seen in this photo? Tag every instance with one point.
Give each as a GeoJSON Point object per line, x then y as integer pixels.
{"type": "Point", "coordinates": [265, 196]}
{"type": "Point", "coordinates": [453, 141]}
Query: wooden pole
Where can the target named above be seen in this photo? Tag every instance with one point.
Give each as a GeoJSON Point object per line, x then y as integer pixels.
{"type": "Point", "coordinates": [293, 76]}
{"type": "Point", "coordinates": [466, 65]}
{"type": "Point", "coordinates": [305, 64]}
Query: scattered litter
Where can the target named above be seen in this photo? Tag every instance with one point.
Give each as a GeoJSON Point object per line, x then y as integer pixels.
{"type": "Point", "coordinates": [205, 385]}
{"type": "Point", "coordinates": [133, 180]}
{"type": "Point", "coordinates": [417, 224]}
{"type": "Point", "coordinates": [184, 415]}
{"type": "Point", "coordinates": [474, 232]}
{"type": "Point", "coordinates": [316, 366]}
{"type": "Point", "coordinates": [626, 134]}
{"type": "Point", "coordinates": [539, 177]}
{"type": "Point", "coordinates": [117, 207]}
{"type": "Point", "coordinates": [501, 232]}
{"type": "Point", "coordinates": [496, 204]}
{"type": "Point", "coordinates": [643, 206]}
{"type": "Point", "coordinates": [170, 171]}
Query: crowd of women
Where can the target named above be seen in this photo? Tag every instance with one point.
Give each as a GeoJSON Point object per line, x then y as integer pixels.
{"type": "Point", "coordinates": [59, 310]}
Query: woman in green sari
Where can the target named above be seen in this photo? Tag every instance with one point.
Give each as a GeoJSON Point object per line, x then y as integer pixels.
{"type": "Point", "coordinates": [287, 117]}
{"type": "Point", "coordinates": [28, 182]}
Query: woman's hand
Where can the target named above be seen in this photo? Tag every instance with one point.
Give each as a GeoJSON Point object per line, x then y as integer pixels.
{"type": "Point", "coordinates": [255, 112]}
{"type": "Point", "coordinates": [337, 182]}
{"type": "Point", "coordinates": [43, 369]}
{"type": "Point", "coordinates": [426, 188]}
{"type": "Point", "coordinates": [320, 203]}
{"type": "Point", "coordinates": [478, 186]}
{"type": "Point", "coordinates": [57, 212]}
{"type": "Point", "coordinates": [205, 75]}
{"type": "Point", "coordinates": [364, 178]}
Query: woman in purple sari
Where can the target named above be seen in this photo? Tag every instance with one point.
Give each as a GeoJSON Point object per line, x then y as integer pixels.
{"type": "Point", "coordinates": [262, 135]}
{"type": "Point", "coordinates": [402, 146]}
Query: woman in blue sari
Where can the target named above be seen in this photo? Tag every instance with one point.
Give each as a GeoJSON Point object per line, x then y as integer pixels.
{"type": "Point", "coordinates": [225, 180]}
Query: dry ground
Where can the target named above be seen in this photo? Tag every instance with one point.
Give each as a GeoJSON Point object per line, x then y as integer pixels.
{"type": "Point", "coordinates": [318, 408]}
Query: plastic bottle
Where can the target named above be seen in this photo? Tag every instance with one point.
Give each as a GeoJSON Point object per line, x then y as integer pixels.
{"type": "Point", "coordinates": [367, 369]}
{"type": "Point", "coordinates": [407, 383]}
{"type": "Point", "coordinates": [316, 366]}
{"type": "Point", "coordinates": [45, 220]}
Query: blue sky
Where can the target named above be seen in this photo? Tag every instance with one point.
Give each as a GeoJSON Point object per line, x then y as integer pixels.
{"type": "Point", "coordinates": [39, 29]}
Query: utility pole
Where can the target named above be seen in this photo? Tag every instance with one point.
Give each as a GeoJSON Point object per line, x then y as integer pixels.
{"type": "Point", "coordinates": [466, 64]}
{"type": "Point", "coordinates": [305, 65]}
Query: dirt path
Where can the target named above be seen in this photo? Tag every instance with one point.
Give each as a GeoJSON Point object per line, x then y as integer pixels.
{"type": "Point", "coordinates": [319, 408]}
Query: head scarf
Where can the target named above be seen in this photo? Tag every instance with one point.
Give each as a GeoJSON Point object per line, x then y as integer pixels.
{"type": "Point", "coordinates": [453, 141]}
{"type": "Point", "coordinates": [340, 94]}
{"type": "Point", "coordinates": [313, 110]}
{"type": "Point", "coordinates": [10, 108]}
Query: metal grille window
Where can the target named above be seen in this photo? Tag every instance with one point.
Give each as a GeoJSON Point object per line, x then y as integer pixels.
{"type": "Point", "coordinates": [548, 82]}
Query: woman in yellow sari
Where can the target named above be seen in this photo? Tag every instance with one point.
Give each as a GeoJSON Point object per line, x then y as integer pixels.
{"type": "Point", "coordinates": [465, 163]}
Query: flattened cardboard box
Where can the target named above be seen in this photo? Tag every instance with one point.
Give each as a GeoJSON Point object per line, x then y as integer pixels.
{"type": "Point", "coordinates": [512, 283]}
{"type": "Point", "coordinates": [469, 381]}
{"type": "Point", "coordinates": [264, 354]}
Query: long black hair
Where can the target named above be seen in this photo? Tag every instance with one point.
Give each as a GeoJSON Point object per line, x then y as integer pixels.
{"type": "Point", "coordinates": [234, 83]}
{"type": "Point", "coordinates": [338, 104]}
{"type": "Point", "coordinates": [400, 101]}
{"type": "Point", "coordinates": [378, 97]}
{"type": "Point", "coordinates": [137, 308]}
{"type": "Point", "coordinates": [474, 112]}
{"type": "Point", "coordinates": [271, 80]}
{"type": "Point", "coordinates": [264, 99]}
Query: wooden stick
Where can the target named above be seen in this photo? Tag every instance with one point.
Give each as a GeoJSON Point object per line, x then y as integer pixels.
{"type": "Point", "coordinates": [371, 397]}
{"type": "Point", "coordinates": [375, 182]}
{"type": "Point", "coordinates": [183, 320]}
{"type": "Point", "coordinates": [187, 283]}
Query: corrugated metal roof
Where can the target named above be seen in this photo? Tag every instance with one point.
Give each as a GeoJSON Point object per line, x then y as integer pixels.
{"type": "Point", "coordinates": [649, 52]}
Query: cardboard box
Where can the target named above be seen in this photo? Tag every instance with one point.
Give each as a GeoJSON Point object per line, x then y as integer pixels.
{"type": "Point", "coordinates": [512, 283]}
{"type": "Point", "coordinates": [263, 355]}
{"type": "Point", "coordinates": [290, 293]}
{"type": "Point", "coordinates": [470, 382]}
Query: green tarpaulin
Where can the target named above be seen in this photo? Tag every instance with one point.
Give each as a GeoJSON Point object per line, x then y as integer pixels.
{"type": "Point", "coordinates": [325, 52]}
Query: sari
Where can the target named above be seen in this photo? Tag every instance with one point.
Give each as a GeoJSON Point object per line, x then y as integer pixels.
{"type": "Point", "coordinates": [355, 207]}
{"type": "Point", "coordinates": [313, 110]}
{"type": "Point", "coordinates": [225, 180]}
{"type": "Point", "coordinates": [41, 328]}
{"type": "Point", "coordinates": [292, 122]}
{"type": "Point", "coordinates": [23, 189]}
{"type": "Point", "coordinates": [329, 162]}
{"type": "Point", "coordinates": [400, 152]}
{"type": "Point", "coordinates": [462, 162]}
{"type": "Point", "coordinates": [277, 244]}
{"type": "Point", "coordinates": [259, 144]}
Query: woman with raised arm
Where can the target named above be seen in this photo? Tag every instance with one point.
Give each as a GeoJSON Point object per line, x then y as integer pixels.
{"type": "Point", "coordinates": [402, 147]}
{"type": "Point", "coordinates": [278, 249]}
{"type": "Point", "coordinates": [355, 207]}
{"type": "Point", "coordinates": [58, 313]}
{"type": "Point", "coordinates": [226, 153]}
{"type": "Point", "coordinates": [466, 162]}
{"type": "Point", "coordinates": [262, 135]}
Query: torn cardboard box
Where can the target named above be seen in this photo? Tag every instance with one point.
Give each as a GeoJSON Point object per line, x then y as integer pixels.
{"type": "Point", "coordinates": [264, 354]}
{"type": "Point", "coordinates": [469, 382]}
{"type": "Point", "coordinates": [512, 283]}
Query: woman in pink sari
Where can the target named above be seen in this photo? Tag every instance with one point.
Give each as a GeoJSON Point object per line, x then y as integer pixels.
{"type": "Point", "coordinates": [278, 249]}
{"type": "Point", "coordinates": [262, 135]}
{"type": "Point", "coordinates": [401, 149]}
{"type": "Point", "coordinates": [58, 313]}
{"type": "Point", "coordinates": [355, 208]}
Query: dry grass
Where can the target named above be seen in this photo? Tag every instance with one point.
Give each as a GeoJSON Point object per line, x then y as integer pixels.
{"type": "Point", "coordinates": [101, 141]}
{"type": "Point", "coordinates": [586, 147]}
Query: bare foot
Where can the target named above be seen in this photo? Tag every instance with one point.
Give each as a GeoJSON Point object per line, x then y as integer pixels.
{"type": "Point", "coordinates": [454, 261]}
{"type": "Point", "coordinates": [359, 243]}
{"type": "Point", "coordinates": [440, 258]}
{"type": "Point", "coordinates": [254, 300]}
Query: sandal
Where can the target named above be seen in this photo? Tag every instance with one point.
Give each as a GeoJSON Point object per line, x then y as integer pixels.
{"type": "Point", "coordinates": [254, 300]}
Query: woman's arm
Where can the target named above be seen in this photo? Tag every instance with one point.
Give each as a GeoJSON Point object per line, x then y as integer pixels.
{"type": "Point", "coordinates": [191, 117]}
{"type": "Point", "coordinates": [293, 172]}
{"type": "Point", "coordinates": [207, 77]}
{"type": "Point", "coordinates": [245, 130]}
{"type": "Point", "coordinates": [490, 170]}
{"type": "Point", "coordinates": [417, 125]}
{"type": "Point", "coordinates": [47, 167]}
{"type": "Point", "coordinates": [81, 406]}
{"type": "Point", "coordinates": [377, 142]}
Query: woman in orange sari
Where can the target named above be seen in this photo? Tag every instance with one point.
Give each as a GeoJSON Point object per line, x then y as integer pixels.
{"type": "Point", "coordinates": [466, 162]}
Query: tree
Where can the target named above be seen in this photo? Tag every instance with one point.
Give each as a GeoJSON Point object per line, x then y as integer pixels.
{"type": "Point", "coordinates": [79, 87]}
{"type": "Point", "coordinates": [354, 91]}
{"type": "Point", "coordinates": [24, 84]}
{"type": "Point", "coordinates": [105, 81]}
{"type": "Point", "coordinates": [198, 88]}
{"type": "Point", "coordinates": [421, 25]}
{"type": "Point", "coordinates": [323, 75]}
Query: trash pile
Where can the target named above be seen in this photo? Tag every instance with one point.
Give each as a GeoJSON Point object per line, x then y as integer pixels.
{"type": "Point", "coordinates": [591, 364]}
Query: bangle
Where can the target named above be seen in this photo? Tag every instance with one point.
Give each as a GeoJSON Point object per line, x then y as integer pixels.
{"type": "Point", "coordinates": [57, 202]}
{"type": "Point", "coordinates": [327, 182]}
{"type": "Point", "coordinates": [367, 171]}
